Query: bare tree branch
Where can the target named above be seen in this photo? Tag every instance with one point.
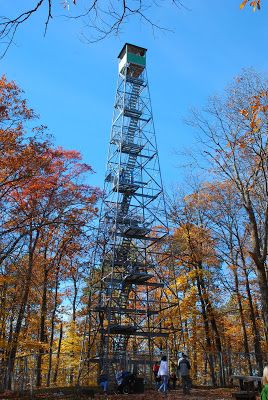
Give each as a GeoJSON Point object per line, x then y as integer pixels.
{"type": "Point", "coordinates": [103, 18]}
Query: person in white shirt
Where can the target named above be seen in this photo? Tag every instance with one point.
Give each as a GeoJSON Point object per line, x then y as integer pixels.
{"type": "Point", "coordinates": [164, 374]}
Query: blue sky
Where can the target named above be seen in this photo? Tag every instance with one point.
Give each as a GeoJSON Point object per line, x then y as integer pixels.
{"type": "Point", "coordinates": [72, 84]}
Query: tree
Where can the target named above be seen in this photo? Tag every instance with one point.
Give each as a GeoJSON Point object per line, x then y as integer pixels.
{"type": "Point", "coordinates": [235, 127]}
{"type": "Point", "coordinates": [197, 252]}
{"type": "Point", "coordinates": [46, 218]}
{"type": "Point", "coordinates": [222, 206]}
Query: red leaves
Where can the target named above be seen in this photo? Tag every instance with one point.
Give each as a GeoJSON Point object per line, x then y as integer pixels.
{"type": "Point", "coordinates": [11, 103]}
{"type": "Point", "coordinates": [36, 178]}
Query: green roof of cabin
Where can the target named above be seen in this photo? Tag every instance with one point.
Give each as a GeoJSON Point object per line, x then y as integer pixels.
{"type": "Point", "coordinates": [133, 45]}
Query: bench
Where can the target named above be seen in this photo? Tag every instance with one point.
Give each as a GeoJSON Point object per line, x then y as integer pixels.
{"type": "Point", "coordinates": [249, 387]}
{"type": "Point", "coordinates": [244, 395]}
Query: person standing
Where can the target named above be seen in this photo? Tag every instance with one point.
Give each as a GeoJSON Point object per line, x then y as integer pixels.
{"type": "Point", "coordinates": [103, 381]}
{"type": "Point", "coordinates": [163, 373]}
{"type": "Point", "coordinates": [184, 371]}
{"type": "Point", "coordinates": [157, 379]}
{"type": "Point", "coordinates": [264, 393]}
{"type": "Point", "coordinates": [119, 377]}
{"type": "Point", "coordinates": [173, 377]}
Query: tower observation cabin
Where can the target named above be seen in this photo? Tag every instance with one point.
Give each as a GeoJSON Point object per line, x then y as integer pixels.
{"type": "Point", "coordinates": [133, 58]}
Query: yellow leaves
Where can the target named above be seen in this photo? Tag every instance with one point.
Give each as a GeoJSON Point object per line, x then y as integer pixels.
{"type": "Point", "coordinates": [188, 303]}
{"type": "Point", "coordinates": [182, 282]}
{"type": "Point", "coordinates": [196, 245]}
{"type": "Point", "coordinates": [34, 345]}
{"type": "Point", "coordinates": [3, 343]}
{"type": "Point", "coordinates": [168, 292]}
{"type": "Point", "coordinates": [72, 340]}
{"type": "Point", "coordinates": [242, 5]}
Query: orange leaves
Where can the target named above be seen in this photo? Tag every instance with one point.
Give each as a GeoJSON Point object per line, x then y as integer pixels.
{"type": "Point", "coordinates": [256, 4]}
{"type": "Point", "coordinates": [258, 107]}
{"type": "Point", "coordinates": [253, 4]}
{"type": "Point", "coordinates": [244, 113]}
{"type": "Point", "coordinates": [242, 145]}
{"type": "Point", "coordinates": [68, 154]}
{"type": "Point", "coordinates": [5, 280]}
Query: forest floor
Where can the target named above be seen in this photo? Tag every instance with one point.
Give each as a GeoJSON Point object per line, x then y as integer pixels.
{"type": "Point", "coordinates": [196, 394]}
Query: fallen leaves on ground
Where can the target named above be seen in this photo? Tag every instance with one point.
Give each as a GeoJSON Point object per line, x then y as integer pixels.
{"type": "Point", "coordinates": [196, 394]}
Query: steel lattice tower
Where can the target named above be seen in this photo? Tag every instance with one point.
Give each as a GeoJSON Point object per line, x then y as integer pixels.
{"type": "Point", "coordinates": [132, 221]}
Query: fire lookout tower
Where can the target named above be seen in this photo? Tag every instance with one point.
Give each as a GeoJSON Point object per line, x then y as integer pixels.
{"type": "Point", "coordinates": [128, 256]}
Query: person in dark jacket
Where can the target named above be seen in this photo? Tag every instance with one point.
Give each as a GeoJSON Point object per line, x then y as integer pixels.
{"type": "Point", "coordinates": [184, 371]}
{"type": "Point", "coordinates": [173, 377]}
{"type": "Point", "coordinates": [103, 381]}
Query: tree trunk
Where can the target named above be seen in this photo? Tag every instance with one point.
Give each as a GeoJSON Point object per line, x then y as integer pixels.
{"type": "Point", "coordinates": [58, 356]}
{"type": "Point", "coordinates": [211, 318]}
{"type": "Point", "coordinates": [245, 338]}
{"type": "Point", "coordinates": [74, 298]}
{"type": "Point", "coordinates": [256, 333]}
{"type": "Point", "coordinates": [3, 348]}
{"type": "Point", "coordinates": [259, 259]}
{"type": "Point", "coordinates": [194, 351]}
{"type": "Point", "coordinates": [15, 339]}
{"type": "Point", "coordinates": [43, 336]}
{"type": "Point", "coordinates": [53, 326]}
{"type": "Point", "coordinates": [230, 365]}
{"type": "Point", "coordinates": [261, 275]}
{"type": "Point", "coordinates": [206, 327]}
{"type": "Point", "coordinates": [72, 354]}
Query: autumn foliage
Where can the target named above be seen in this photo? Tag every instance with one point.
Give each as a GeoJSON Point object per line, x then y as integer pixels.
{"type": "Point", "coordinates": [254, 4]}
{"type": "Point", "coordinates": [213, 266]}
{"type": "Point", "coordinates": [220, 238]}
{"type": "Point", "coordinates": [47, 213]}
